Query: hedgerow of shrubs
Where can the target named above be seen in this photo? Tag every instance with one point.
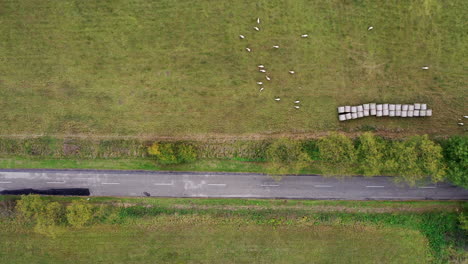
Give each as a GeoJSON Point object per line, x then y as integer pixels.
{"type": "Point", "coordinates": [414, 159]}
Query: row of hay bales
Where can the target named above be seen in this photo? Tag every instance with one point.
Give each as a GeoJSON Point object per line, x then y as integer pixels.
{"type": "Point", "coordinates": [392, 110]}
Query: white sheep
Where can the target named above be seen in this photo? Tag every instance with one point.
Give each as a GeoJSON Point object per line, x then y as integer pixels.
{"type": "Point", "coordinates": [370, 28]}
{"type": "Point", "coordinates": [261, 89]}
{"type": "Point", "coordinates": [296, 106]}
{"type": "Point", "coordinates": [248, 49]}
{"type": "Point", "coordinates": [262, 70]}
{"type": "Point", "coordinates": [297, 101]}
{"type": "Point", "coordinates": [256, 28]}
{"type": "Point", "coordinates": [461, 124]}
{"type": "Point", "coordinates": [258, 20]}
{"type": "Point", "coordinates": [465, 116]}
{"type": "Point", "coordinates": [304, 36]}
{"type": "Point", "coordinates": [292, 72]}
{"type": "Point", "coordinates": [242, 36]}
{"type": "Point", "coordinates": [261, 66]}
{"type": "Point", "coordinates": [268, 78]}
{"type": "Point", "coordinates": [425, 68]}
{"type": "Point", "coordinates": [277, 99]}
{"type": "Point", "coordinates": [259, 83]}
{"type": "Point", "coordinates": [276, 46]}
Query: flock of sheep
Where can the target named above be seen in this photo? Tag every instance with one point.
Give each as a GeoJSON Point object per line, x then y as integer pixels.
{"type": "Point", "coordinates": [353, 112]}
{"type": "Point", "coordinates": [262, 69]}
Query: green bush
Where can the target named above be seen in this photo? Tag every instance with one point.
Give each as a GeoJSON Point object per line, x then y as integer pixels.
{"type": "Point", "coordinates": [52, 214]}
{"type": "Point", "coordinates": [415, 159]}
{"type": "Point", "coordinates": [173, 153]}
{"type": "Point", "coordinates": [337, 149]}
{"type": "Point", "coordinates": [337, 154]}
{"type": "Point", "coordinates": [370, 154]}
{"type": "Point", "coordinates": [79, 213]}
{"type": "Point", "coordinates": [286, 156]}
{"type": "Point", "coordinates": [186, 153]}
{"type": "Point", "coordinates": [455, 151]}
{"type": "Point", "coordinates": [164, 153]}
{"type": "Point", "coordinates": [30, 206]}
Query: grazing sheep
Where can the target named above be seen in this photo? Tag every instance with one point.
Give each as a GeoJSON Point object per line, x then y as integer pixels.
{"type": "Point", "coordinates": [425, 68]}
{"type": "Point", "coordinates": [277, 99]}
{"type": "Point", "coordinates": [304, 36]}
{"type": "Point", "coordinates": [370, 28]}
{"type": "Point", "coordinates": [276, 46]}
{"type": "Point", "coordinates": [268, 78]}
{"type": "Point", "coordinates": [259, 83]}
{"type": "Point", "coordinates": [256, 28]}
{"type": "Point", "coordinates": [465, 116]}
{"type": "Point", "coordinates": [261, 89]}
{"type": "Point", "coordinates": [461, 124]}
{"type": "Point", "coordinates": [296, 106]}
{"type": "Point", "coordinates": [242, 36]}
{"type": "Point", "coordinates": [296, 102]}
{"type": "Point", "coordinates": [258, 20]}
{"type": "Point", "coordinates": [292, 72]}
{"type": "Point", "coordinates": [248, 49]}
{"type": "Point", "coordinates": [262, 70]}
{"type": "Point", "coordinates": [261, 66]}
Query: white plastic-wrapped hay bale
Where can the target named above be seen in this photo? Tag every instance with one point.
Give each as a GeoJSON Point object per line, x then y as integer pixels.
{"type": "Point", "coordinates": [385, 107]}
{"type": "Point", "coordinates": [417, 106]}
{"type": "Point", "coordinates": [354, 115]}
{"type": "Point", "coordinates": [416, 113]}
{"type": "Point", "coordinates": [391, 107]}
{"type": "Point", "coordinates": [360, 108]}
{"type": "Point", "coordinates": [341, 109]}
{"type": "Point", "coordinates": [366, 106]}
{"type": "Point", "coordinates": [347, 108]}
{"type": "Point", "coordinates": [366, 112]}
{"type": "Point", "coordinates": [372, 106]}
{"type": "Point", "coordinates": [422, 112]}
{"type": "Point", "coordinates": [379, 107]}
{"type": "Point", "coordinates": [423, 106]}
{"type": "Point", "coordinates": [360, 114]}
{"type": "Point", "coordinates": [342, 117]}
{"type": "Point", "coordinates": [398, 107]}
{"type": "Point", "coordinates": [410, 113]}
{"type": "Point", "coordinates": [385, 112]}
{"type": "Point", "coordinates": [397, 112]}
{"type": "Point", "coordinates": [404, 113]}
{"type": "Point", "coordinates": [429, 112]}
{"type": "Point", "coordinates": [379, 113]}
{"type": "Point", "coordinates": [391, 113]}
{"type": "Point", "coordinates": [349, 116]}
{"type": "Point", "coordinates": [404, 107]}
{"type": "Point", "coordinates": [373, 112]}
{"type": "Point", "coordinates": [353, 109]}
{"type": "Point", "coordinates": [410, 107]}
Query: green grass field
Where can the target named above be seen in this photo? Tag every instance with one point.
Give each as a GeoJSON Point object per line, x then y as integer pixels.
{"type": "Point", "coordinates": [178, 68]}
{"type": "Point", "coordinates": [206, 240]}
{"type": "Point", "coordinates": [149, 230]}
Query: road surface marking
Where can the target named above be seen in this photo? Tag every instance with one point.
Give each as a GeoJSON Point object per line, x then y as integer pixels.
{"type": "Point", "coordinates": [57, 182]}
{"type": "Point", "coordinates": [269, 185]}
{"type": "Point", "coordinates": [323, 186]}
{"type": "Point", "coordinates": [110, 183]}
{"type": "Point", "coordinates": [217, 184]}
{"type": "Point", "coordinates": [5, 182]}
{"type": "Point", "coordinates": [164, 184]}
{"type": "Point", "coordinates": [427, 187]}
{"type": "Point", "coordinates": [376, 186]}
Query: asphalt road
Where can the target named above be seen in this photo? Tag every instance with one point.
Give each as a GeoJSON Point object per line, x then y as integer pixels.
{"type": "Point", "coordinates": [230, 185]}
